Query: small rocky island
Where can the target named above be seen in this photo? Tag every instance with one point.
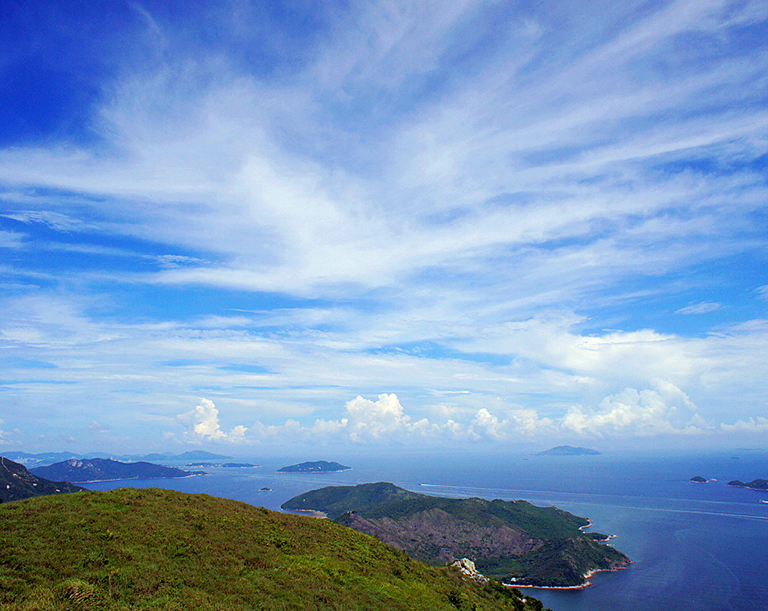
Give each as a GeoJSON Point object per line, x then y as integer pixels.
{"type": "Point", "coordinates": [319, 466]}
{"type": "Point", "coordinates": [697, 479]}
{"type": "Point", "coordinates": [568, 451]}
{"type": "Point", "coordinates": [755, 484]}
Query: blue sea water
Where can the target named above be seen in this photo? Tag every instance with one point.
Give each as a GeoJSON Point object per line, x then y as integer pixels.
{"type": "Point", "coordinates": [695, 547]}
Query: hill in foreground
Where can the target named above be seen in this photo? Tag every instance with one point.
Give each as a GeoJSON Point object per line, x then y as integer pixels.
{"type": "Point", "coordinates": [154, 549]}
{"type": "Point", "coordinates": [16, 483]}
{"type": "Point", "coordinates": [514, 541]}
{"type": "Point", "coordinates": [104, 469]}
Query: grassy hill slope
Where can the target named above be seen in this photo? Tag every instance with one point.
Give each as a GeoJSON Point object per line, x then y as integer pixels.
{"type": "Point", "coordinates": [160, 549]}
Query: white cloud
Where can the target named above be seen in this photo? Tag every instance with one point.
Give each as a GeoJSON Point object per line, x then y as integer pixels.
{"type": "Point", "coordinates": [757, 424]}
{"type": "Point", "coordinates": [705, 307]}
{"type": "Point", "coordinates": [204, 424]}
{"type": "Point", "coordinates": [647, 412]}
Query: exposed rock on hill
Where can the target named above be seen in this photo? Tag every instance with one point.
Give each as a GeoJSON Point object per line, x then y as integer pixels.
{"type": "Point", "coordinates": [17, 483]}
{"type": "Point", "coordinates": [510, 540]}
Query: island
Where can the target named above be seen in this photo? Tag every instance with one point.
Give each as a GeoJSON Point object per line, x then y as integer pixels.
{"type": "Point", "coordinates": [568, 451]}
{"type": "Point", "coordinates": [105, 469]}
{"type": "Point", "coordinates": [223, 465]}
{"type": "Point", "coordinates": [17, 483]}
{"type": "Point", "coordinates": [513, 541]}
{"type": "Point", "coordinates": [697, 479]}
{"type": "Point", "coordinates": [755, 484]}
{"type": "Point", "coordinates": [320, 466]}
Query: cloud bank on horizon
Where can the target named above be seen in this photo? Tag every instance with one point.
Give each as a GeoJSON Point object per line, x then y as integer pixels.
{"type": "Point", "coordinates": [420, 223]}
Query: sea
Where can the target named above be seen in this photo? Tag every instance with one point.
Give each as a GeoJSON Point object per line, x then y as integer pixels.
{"type": "Point", "coordinates": [696, 547]}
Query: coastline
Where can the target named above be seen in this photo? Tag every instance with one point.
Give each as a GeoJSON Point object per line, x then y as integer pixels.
{"type": "Point", "coordinates": [581, 586]}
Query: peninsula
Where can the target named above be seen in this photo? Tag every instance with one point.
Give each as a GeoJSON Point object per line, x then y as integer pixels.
{"type": "Point", "coordinates": [513, 541]}
{"type": "Point", "coordinates": [320, 466]}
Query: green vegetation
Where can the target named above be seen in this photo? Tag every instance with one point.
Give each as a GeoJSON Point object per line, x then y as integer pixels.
{"type": "Point", "coordinates": [165, 550]}
{"type": "Point", "coordinates": [319, 466]}
{"type": "Point", "coordinates": [16, 483]}
{"type": "Point", "coordinates": [755, 484]}
{"type": "Point", "coordinates": [514, 541]}
{"type": "Point", "coordinates": [337, 500]}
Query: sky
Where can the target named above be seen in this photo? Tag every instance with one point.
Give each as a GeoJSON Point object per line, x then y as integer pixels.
{"type": "Point", "coordinates": [246, 226]}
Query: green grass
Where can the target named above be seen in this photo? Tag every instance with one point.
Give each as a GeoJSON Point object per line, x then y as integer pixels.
{"type": "Point", "coordinates": [164, 550]}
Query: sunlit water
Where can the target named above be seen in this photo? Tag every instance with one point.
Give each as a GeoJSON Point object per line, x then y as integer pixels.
{"type": "Point", "coordinates": [694, 546]}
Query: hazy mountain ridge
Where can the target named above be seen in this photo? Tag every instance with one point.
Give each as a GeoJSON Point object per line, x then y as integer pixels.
{"type": "Point", "coordinates": [102, 469]}
{"type": "Point", "coordinates": [510, 540]}
{"type": "Point", "coordinates": [150, 549]}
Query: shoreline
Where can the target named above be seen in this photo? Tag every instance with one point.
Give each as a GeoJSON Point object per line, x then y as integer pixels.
{"type": "Point", "coordinates": [131, 479]}
{"type": "Point", "coordinates": [583, 585]}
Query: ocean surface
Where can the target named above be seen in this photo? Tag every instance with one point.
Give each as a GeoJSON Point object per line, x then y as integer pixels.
{"type": "Point", "coordinates": [694, 546]}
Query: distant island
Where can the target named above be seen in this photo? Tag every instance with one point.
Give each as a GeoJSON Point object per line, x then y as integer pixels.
{"type": "Point", "coordinates": [104, 469]}
{"type": "Point", "coordinates": [755, 484]}
{"type": "Point", "coordinates": [697, 479]}
{"type": "Point", "coordinates": [513, 541]}
{"type": "Point", "coordinates": [226, 465]}
{"type": "Point", "coordinates": [47, 458]}
{"type": "Point", "coordinates": [17, 483]}
{"type": "Point", "coordinates": [320, 466]}
{"type": "Point", "coordinates": [568, 451]}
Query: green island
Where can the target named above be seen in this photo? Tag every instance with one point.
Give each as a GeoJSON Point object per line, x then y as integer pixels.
{"type": "Point", "coordinates": [513, 541]}
{"type": "Point", "coordinates": [153, 549]}
{"type": "Point", "coordinates": [318, 466]}
{"type": "Point", "coordinates": [755, 484]}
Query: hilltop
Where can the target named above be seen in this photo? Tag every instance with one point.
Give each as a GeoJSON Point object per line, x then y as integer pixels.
{"type": "Point", "coordinates": [16, 483]}
{"type": "Point", "coordinates": [153, 549]}
{"type": "Point", "coordinates": [103, 469]}
{"type": "Point", "coordinates": [514, 541]}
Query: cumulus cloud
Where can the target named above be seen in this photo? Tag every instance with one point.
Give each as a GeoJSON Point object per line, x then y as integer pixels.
{"type": "Point", "coordinates": [203, 423]}
{"type": "Point", "coordinates": [385, 418]}
{"type": "Point", "coordinates": [665, 409]}
{"type": "Point", "coordinates": [751, 425]}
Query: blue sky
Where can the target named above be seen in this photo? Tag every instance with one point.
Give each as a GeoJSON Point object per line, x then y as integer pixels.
{"type": "Point", "coordinates": [251, 226]}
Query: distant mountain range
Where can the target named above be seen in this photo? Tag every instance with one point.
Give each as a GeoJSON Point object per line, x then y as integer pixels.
{"type": "Point", "coordinates": [320, 466]}
{"type": "Point", "coordinates": [102, 469]}
{"type": "Point", "coordinates": [47, 458]}
{"type": "Point", "coordinates": [568, 451]}
{"type": "Point", "coordinates": [509, 540]}
{"type": "Point", "coordinates": [17, 483]}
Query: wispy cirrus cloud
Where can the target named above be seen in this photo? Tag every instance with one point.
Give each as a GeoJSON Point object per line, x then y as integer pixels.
{"type": "Point", "coordinates": [511, 202]}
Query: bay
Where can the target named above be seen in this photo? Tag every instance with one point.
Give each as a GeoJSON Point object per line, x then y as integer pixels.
{"type": "Point", "coordinates": [694, 546]}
